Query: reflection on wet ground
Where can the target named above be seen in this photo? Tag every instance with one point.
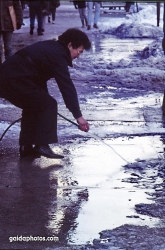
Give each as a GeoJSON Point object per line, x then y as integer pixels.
{"type": "Point", "coordinates": [91, 185]}
{"type": "Point", "coordinates": [99, 168]}
{"type": "Point", "coordinates": [109, 48]}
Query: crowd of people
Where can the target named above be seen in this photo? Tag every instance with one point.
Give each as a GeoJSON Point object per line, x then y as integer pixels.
{"type": "Point", "coordinates": [42, 12]}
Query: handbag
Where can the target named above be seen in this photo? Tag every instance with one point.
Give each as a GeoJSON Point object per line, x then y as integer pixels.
{"type": "Point", "coordinates": [13, 17]}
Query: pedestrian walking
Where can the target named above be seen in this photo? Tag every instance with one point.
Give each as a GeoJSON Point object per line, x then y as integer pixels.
{"type": "Point", "coordinates": [8, 23]}
{"type": "Point", "coordinates": [81, 6]}
{"type": "Point", "coordinates": [128, 6]}
{"type": "Point", "coordinates": [37, 9]}
{"type": "Point", "coordinates": [53, 4]}
{"type": "Point", "coordinates": [23, 82]}
{"type": "Point", "coordinates": [96, 6]}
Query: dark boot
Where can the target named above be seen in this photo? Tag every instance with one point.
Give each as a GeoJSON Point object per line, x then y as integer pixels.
{"type": "Point", "coordinates": [40, 33]}
{"type": "Point", "coordinates": [82, 24]}
{"type": "Point", "coordinates": [95, 26]}
{"type": "Point", "coordinates": [31, 30]}
{"type": "Point", "coordinates": [163, 44]}
{"type": "Point", "coordinates": [88, 27]}
{"type": "Point", "coordinates": [47, 152]}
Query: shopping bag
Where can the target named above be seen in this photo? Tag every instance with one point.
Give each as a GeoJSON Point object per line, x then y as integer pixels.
{"type": "Point", "coordinates": [13, 17]}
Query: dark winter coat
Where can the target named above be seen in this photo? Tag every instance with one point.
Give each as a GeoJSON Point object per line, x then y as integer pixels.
{"type": "Point", "coordinates": [5, 19]}
{"type": "Point", "coordinates": [36, 64]}
{"type": "Point", "coordinates": [53, 4]}
{"type": "Point", "coordinates": [42, 3]}
{"type": "Point", "coordinates": [80, 4]}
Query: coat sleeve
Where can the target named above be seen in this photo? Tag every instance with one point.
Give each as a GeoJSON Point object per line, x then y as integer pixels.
{"type": "Point", "coordinates": [18, 11]}
{"type": "Point", "coordinates": [66, 86]}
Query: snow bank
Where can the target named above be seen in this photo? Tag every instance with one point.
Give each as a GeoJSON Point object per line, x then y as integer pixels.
{"type": "Point", "coordinates": [134, 30]}
{"type": "Point", "coordinates": [141, 24]}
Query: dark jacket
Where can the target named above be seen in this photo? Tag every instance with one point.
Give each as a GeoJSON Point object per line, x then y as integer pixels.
{"type": "Point", "coordinates": [5, 19]}
{"type": "Point", "coordinates": [47, 59]}
{"type": "Point", "coordinates": [53, 4]}
{"type": "Point", "coordinates": [80, 4]}
{"type": "Point", "coordinates": [42, 4]}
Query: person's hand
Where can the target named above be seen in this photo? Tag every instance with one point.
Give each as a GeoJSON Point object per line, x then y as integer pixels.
{"type": "Point", "coordinates": [44, 12]}
{"type": "Point", "coordinates": [83, 124]}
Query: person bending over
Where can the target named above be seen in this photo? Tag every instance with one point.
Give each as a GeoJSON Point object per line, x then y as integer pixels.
{"type": "Point", "coordinates": [23, 82]}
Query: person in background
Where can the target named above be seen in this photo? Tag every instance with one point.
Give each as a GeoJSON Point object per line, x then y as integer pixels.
{"type": "Point", "coordinates": [53, 4]}
{"type": "Point", "coordinates": [23, 82]}
{"type": "Point", "coordinates": [128, 5]}
{"type": "Point", "coordinates": [6, 25]}
{"type": "Point", "coordinates": [90, 6]}
{"type": "Point", "coordinates": [81, 6]}
{"type": "Point", "coordinates": [23, 4]}
{"type": "Point", "coordinates": [37, 9]}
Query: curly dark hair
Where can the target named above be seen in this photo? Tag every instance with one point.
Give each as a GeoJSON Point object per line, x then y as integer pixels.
{"type": "Point", "coordinates": [76, 37]}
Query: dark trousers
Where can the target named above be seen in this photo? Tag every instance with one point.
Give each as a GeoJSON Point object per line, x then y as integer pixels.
{"type": "Point", "coordinates": [39, 115]}
{"type": "Point", "coordinates": [35, 10]}
{"type": "Point", "coordinates": [128, 5]}
{"type": "Point", "coordinates": [53, 13]}
{"type": "Point", "coordinates": [39, 122]}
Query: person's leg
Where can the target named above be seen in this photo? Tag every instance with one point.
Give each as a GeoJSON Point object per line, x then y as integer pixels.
{"type": "Point", "coordinates": [7, 39]}
{"type": "Point", "coordinates": [49, 18]}
{"type": "Point", "coordinates": [84, 16]}
{"type": "Point", "coordinates": [97, 14]}
{"type": "Point", "coordinates": [53, 15]}
{"type": "Point", "coordinates": [127, 6]}
{"type": "Point", "coordinates": [81, 16]}
{"type": "Point", "coordinates": [1, 48]}
{"type": "Point", "coordinates": [39, 127]}
{"type": "Point", "coordinates": [43, 23]}
{"type": "Point", "coordinates": [163, 104]}
{"type": "Point", "coordinates": [39, 18]}
{"type": "Point", "coordinates": [32, 15]}
{"type": "Point", "coordinates": [27, 133]}
{"type": "Point", "coordinates": [90, 9]}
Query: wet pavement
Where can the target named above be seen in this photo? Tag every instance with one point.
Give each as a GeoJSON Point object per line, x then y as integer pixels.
{"type": "Point", "coordinates": [108, 192]}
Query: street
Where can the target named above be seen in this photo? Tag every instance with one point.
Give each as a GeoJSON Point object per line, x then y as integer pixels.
{"type": "Point", "coordinates": [108, 192]}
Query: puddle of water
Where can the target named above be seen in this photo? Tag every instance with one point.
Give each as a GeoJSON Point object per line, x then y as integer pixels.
{"type": "Point", "coordinates": [98, 169]}
{"type": "Point", "coordinates": [107, 208]}
{"type": "Point", "coordinates": [111, 48]}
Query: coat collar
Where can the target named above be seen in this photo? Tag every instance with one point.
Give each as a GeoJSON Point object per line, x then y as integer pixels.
{"type": "Point", "coordinates": [69, 59]}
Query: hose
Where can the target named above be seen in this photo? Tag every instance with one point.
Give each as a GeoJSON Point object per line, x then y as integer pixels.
{"type": "Point", "coordinates": [91, 134]}
{"type": "Point", "coordinates": [18, 120]}
{"type": "Point", "coordinates": [9, 127]}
